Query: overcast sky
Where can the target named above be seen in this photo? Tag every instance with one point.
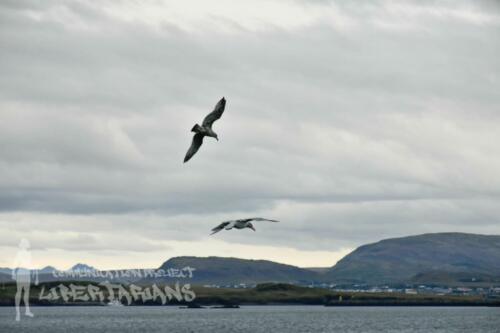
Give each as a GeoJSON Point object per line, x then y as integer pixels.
{"type": "Point", "coordinates": [349, 122]}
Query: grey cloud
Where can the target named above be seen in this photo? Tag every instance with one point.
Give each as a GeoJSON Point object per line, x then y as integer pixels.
{"type": "Point", "coordinates": [382, 120]}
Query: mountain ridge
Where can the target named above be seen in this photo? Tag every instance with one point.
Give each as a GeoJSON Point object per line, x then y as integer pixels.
{"type": "Point", "coordinates": [231, 270]}
{"type": "Point", "coordinates": [401, 259]}
{"type": "Point", "coordinates": [431, 258]}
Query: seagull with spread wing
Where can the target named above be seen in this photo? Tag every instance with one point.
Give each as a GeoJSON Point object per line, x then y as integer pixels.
{"type": "Point", "coordinates": [205, 129]}
{"type": "Point", "coordinates": [239, 224]}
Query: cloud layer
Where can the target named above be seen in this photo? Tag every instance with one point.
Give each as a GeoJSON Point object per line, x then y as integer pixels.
{"type": "Point", "coordinates": [348, 122]}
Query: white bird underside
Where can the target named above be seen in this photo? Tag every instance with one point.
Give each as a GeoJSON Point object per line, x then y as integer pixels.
{"type": "Point", "coordinates": [239, 224]}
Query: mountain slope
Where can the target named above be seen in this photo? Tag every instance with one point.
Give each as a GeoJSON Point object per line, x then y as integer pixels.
{"type": "Point", "coordinates": [218, 270]}
{"type": "Point", "coordinates": [5, 270]}
{"type": "Point", "coordinates": [82, 267]}
{"type": "Point", "coordinates": [402, 259]}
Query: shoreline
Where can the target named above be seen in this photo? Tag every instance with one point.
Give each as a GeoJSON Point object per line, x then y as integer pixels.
{"type": "Point", "coordinates": [218, 306]}
{"type": "Point", "coordinates": [261, 295]}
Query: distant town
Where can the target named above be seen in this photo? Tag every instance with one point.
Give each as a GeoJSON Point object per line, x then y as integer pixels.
{"type": "Point", "coordinates": [492, 292]}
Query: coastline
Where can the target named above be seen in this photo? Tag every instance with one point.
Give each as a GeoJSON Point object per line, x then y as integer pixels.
{"type": "Point", "coordinates": [262, 295]}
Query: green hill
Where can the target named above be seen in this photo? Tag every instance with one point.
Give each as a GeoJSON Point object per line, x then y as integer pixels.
{"type": "Point", "coordinates": [218, 270]}
{"type": "Point", "coordinates": [421, 258]}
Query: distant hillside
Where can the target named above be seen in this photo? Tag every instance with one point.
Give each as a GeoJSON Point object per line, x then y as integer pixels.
{"type": "Point", "coordinates": [47, 270]}
{"type": "Point", "coordinates": [218, 270]}
{"type": "Point", "coordinates": [456, 279]}
{"type": "Point", "coordinates": [5, 270]}
{"type": "Point", "coordinates": [82, 267]}
{"type": "Point", "coordinates": [4, 277]}
{"type": "Point", "coordinates": [441, 258]}
{"type": "Point", "coordinates": [318, 269]}
{"type": "Point", "coordinates": [423, 258]}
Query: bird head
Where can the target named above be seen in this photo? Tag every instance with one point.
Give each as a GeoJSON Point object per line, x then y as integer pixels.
{"type": "Point", "coordinates": [250, 225]}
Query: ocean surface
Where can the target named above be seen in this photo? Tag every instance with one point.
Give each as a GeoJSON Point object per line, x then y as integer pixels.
{"type": "Point", "coordinates": [254, 319]}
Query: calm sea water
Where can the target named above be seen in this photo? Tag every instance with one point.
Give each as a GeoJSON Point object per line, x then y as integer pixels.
{"type": "Point", "coordinates": [254, 319]}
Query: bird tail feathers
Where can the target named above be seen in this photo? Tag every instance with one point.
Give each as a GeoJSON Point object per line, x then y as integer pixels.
{"type": "Point", "coordinates": [196, 128]}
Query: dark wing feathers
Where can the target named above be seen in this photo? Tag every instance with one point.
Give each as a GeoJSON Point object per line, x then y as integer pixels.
{"type": "Point", "coordinates": [220, 227]}
{"type": "Point", "coordinates": [195, 145]}
{"type": "Point", "coordinates": [215, 114]}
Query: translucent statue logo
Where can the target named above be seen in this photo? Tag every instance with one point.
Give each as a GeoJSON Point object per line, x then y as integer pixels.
{"type": "Point", "coordinates": [118, 294]}
{"type": "Point", "coordinates": [101, 291]}
{"type": "Point", "coordinates": [22, 274]}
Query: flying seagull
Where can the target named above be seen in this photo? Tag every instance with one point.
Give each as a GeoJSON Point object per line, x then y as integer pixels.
{"type": "Point", "coordinates": [205, 129]}
{"type": "Point", "coordinates": [239, 224]}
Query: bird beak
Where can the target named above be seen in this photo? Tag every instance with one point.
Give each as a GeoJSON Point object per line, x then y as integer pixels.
{"type": "Point", "coordinates": [217, 139]}
{"type": "Point", "coordinates": [252, 228]}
